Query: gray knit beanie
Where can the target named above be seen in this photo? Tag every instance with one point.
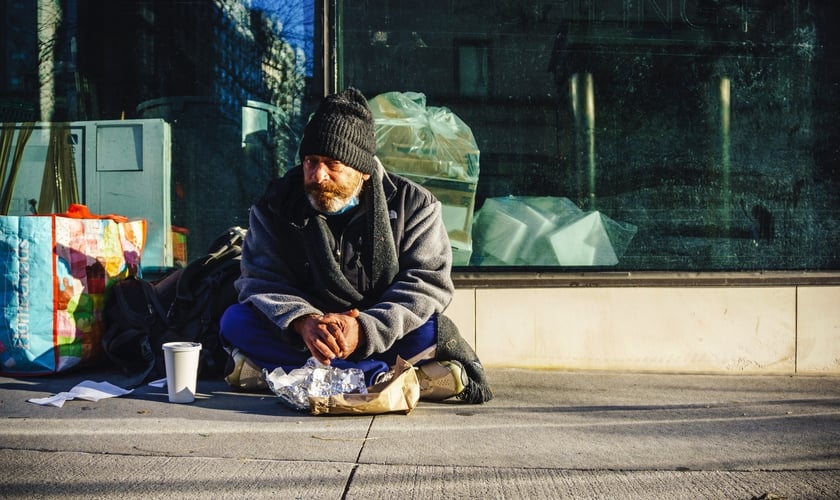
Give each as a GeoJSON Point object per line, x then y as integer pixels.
{"type": "Point", "coordinates": [342, 129]}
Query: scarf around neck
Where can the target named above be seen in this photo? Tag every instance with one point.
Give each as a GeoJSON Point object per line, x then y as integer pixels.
{"type": "Point", "coordinates": [331, 283]}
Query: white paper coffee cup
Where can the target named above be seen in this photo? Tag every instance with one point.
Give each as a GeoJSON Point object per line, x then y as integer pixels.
{"type": "Point", "coordinates": [181, 359]}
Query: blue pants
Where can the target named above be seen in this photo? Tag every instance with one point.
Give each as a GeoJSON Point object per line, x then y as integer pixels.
{"type": "Point", "coordinates": [245, 328]}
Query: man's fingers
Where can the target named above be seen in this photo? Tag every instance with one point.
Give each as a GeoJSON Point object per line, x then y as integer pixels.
{"type": "Point", "coordinates": [337, 339]}
{"type": "Point", "coordinates": [321, 344]}
{"type": "Point", "coordinates": [321, 351]}
{"type": "Point", "coordinates": [342, 344]}
{"type": "Point", "coordinates": [327, 333]}
{"type": "Point", "coordinates": [335, 325]}
{"type": "Point", "coordinates": [332, 332]}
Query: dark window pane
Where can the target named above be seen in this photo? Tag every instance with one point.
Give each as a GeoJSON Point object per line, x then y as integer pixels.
{"type": "Point", "coordinates": [646, 135]}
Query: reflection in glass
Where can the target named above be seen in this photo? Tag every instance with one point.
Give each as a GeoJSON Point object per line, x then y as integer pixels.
{"type": "Point", "coordinates": [716, 135]}
{"type": "Point", "coordinates": [716, 132]}
{"type": "Point", "coordinates": [582, 93]}
{"type": "Point", "coordinates": [228, 76]}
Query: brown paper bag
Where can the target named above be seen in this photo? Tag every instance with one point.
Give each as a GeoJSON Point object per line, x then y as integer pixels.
{"type": "Point", "coordinates": [400, 394]}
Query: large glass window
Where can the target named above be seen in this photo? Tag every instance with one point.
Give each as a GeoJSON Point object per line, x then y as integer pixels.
{"type": "Point", "coordinates": [691, 135]}
{"type": "Point", "coordinates": [633, 135]}
{"type": "Point", "coordinates": [178, 112]}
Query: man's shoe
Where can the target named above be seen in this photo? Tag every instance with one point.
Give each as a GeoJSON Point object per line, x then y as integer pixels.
{"type": "Point", "coordinates": [243, 374]}
{"type": "Point", "coordinates": [451, 345]}
{"type": "Point", "coordinates": [440, 380]}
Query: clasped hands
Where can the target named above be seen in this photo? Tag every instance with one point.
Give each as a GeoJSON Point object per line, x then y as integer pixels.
{"type": "Point", "coordinates": [333, 335]}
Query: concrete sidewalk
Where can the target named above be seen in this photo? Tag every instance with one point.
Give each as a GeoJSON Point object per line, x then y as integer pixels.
{"type": "Point", "coordinates": [548, 434]}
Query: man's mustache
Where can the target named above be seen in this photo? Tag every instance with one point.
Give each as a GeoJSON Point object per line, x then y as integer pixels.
{"type": "Point", "coordinates": [327, 189]}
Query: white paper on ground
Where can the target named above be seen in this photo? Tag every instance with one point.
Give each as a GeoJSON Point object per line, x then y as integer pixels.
{"type": "Point", "coordinates": [87, 390]}
{"type": "Point", "coordinates": [159, 383]}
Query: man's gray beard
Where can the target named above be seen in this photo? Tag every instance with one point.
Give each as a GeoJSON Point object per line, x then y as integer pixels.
{"type": "Point", "coordinates": [328, 205]}
{"type": "Point", "coordinates": [332, 204]}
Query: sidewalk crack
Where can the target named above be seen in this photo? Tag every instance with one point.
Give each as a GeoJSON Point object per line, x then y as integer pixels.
{"type": "Point", "coordinates": [355, 467]}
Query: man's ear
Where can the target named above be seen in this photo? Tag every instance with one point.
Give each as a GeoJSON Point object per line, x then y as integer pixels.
{"type": "Point", "coordinates": [365, 177]}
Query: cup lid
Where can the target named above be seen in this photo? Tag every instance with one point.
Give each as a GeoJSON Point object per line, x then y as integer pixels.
{"type": "Point", "coordinates": [182, 346]}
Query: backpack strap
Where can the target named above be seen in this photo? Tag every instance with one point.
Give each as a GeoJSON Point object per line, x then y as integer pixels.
{"type": "Point", "coordinates": [225, 251]}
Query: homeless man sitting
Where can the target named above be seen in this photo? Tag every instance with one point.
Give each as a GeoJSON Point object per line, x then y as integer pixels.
{"type": "Point", "coordinates": [348, 264]}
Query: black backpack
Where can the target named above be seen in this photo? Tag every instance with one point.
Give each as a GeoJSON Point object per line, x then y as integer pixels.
{"type": "Point", "coordinates": [185, 305]}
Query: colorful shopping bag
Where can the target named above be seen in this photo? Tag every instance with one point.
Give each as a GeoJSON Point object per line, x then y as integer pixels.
{"type": "Point", "coordinates": [55, 272]}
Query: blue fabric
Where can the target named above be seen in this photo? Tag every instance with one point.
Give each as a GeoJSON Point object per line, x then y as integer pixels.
{"type": "Point", "coordinates": [242, 327]}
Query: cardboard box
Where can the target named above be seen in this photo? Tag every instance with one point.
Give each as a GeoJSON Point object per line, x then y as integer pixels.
{"type": "Point", "coordinates": [457, 164]}
{"type": "Point", "coordinates": [426, 167]}
{"type": "Point", "coordinates": [458, 199]}
{"type": "Point", "coordinates": [406, 147]}
{"type": "Point", "coordinates": [436, 149]}
{"type": "Point", "coordinates": [461, 253]}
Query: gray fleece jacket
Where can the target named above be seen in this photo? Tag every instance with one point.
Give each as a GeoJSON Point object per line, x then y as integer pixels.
{"type": "Point", "coordinates": [282, 282]}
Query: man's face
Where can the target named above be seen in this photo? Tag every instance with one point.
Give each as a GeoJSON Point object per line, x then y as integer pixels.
{"type": "Point", "coordinates": [330, 184]}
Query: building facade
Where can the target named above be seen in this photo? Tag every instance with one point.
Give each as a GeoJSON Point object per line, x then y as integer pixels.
{"type": "Point", "coordinates": [628, 184]}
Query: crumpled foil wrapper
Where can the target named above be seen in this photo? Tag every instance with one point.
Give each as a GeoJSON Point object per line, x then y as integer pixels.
{"type": "Point", "coordinates": [313, 379]}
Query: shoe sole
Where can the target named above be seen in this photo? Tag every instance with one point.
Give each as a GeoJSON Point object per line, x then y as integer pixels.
{"type": "Point", "coordinates": [441, 380]}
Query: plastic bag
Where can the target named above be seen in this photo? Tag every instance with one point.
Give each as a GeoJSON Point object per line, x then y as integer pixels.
{"type": "Point", "coordinates": [55, 272]}
{"type": "Point", "coordinates": [414, 139]}
{"type": "Point", "coordinates": [546, 231]}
